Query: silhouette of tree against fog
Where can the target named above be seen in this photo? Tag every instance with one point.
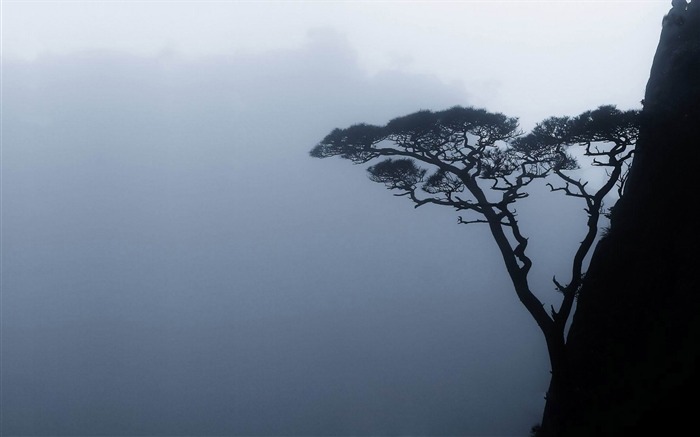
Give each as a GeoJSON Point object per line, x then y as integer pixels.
{"type": "Point", "coordinates": [480, 164]}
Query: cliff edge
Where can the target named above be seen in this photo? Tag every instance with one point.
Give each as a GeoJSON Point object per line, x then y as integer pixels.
{"type": "Point", "coordinates": [634, 343]}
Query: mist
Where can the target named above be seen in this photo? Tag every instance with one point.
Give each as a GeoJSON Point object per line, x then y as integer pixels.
{"type": "Point", "coordinates": [173, 261]}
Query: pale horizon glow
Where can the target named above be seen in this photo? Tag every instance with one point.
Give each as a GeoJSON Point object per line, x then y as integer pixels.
{"type": "Point", "coordinates": [517, 57]}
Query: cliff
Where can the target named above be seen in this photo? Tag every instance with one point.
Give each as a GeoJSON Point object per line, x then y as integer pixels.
{"type": "Point", "coordinates": [634, 344]}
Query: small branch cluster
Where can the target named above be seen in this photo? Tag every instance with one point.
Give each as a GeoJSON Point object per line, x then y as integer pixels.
{"type": "Point", "coordinates": [607, 135]}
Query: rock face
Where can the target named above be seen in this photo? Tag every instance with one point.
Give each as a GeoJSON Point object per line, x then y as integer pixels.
{"type": "Point", "coordinates": [634, 344]}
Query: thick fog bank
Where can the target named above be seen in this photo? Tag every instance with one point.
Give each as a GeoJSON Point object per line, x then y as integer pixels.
{"type": "Point", "coordinates": [173, 261]}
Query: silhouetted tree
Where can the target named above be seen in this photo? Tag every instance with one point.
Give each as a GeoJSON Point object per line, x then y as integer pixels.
{"type": "Point", "coordinates": [480, 163]}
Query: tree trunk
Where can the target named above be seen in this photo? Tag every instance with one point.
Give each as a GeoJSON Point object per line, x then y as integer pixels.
{"type": "Point", "coordinates": [558, 399]}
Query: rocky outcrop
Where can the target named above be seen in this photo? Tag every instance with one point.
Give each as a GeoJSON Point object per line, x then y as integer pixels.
{"type": "Point", "coordinates": [634, 343]}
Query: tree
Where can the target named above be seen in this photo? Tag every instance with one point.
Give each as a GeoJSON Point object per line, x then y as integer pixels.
{"type": "Point", "coordinates": [480, 163]}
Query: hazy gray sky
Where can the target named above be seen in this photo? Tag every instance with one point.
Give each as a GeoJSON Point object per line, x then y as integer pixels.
{"type": "Point", "coordinates": [528, 58]}
{"type": "Point", "coordinates": [173, 261]}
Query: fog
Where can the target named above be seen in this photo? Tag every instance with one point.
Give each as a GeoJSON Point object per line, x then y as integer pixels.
{"type": "Point", "coordinates": [174, 262]}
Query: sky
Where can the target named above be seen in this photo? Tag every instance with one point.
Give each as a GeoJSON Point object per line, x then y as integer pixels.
{"type": "Point", "coordinates": [174, 262]}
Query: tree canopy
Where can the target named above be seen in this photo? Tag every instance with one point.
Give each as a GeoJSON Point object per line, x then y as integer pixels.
{"type": "Point", "coordinates": [480, 162]}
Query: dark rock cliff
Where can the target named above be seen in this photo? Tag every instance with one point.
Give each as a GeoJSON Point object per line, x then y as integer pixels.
{"type": "Point", "coordinates": [634, 344]}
